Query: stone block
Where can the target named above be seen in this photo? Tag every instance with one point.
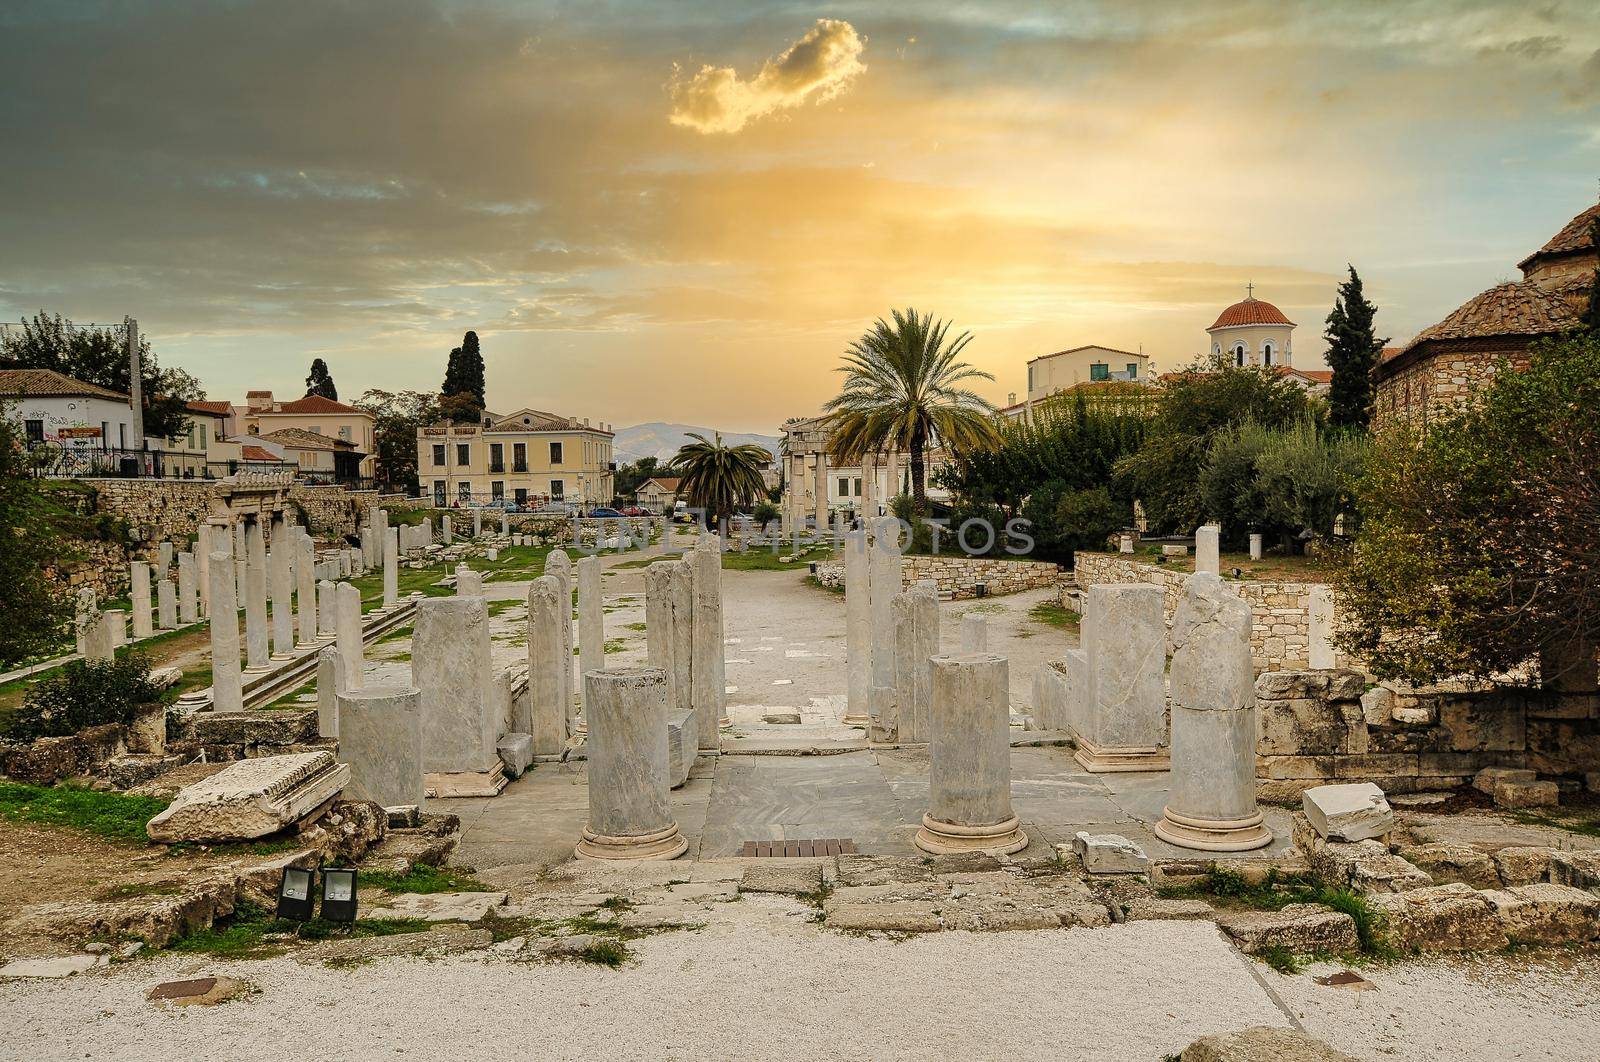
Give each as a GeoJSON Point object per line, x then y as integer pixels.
{"type": "Point", "coordinates": [251, 729]}
{"type": "Point", "coordinates": [1483, 723]}
{"type": "Point", "coordinates": [1509, 794]}
{"type": "Point", "coordinates": [1581, 869]}
{"type": "Point", "coordinates": [1109, 853]}
{"type": "Point", "coordinates": [790, 876]}
{"type": "Point", "coordinates": [1484, 781]}
{"type": "Point", "coordinates": [251, 798]}
{"type": "Point", "coordinates": [1154, 909]}
{"type": "Point", "coordinates": [897, 916]}
{"type": "Point", "coordinates": [683, 745]}
{"type": "Point", "coordinates": [1522, 865]}
{"type": "Point", "coordinates": [516, 752]}
{"type": "Point", "coordinates": [1441, 918]}
{"type": "Point", "coordinates": [1300, 726]}
{"type": "Point", "coordinates": [1352, 812]}
{"type": "Point", "coordinates": [1303, 928]}
{"type": "Point", "coordinates": [1546, 914]}
{"type": "Point", "coordinates": [441, 906]}
{"type": "Point", "coordinates": [1261, 1043]}
{"type": "Point", "coordinates": [1445, 863]}
{"type": "Point", "coordinates": [1377, 706]}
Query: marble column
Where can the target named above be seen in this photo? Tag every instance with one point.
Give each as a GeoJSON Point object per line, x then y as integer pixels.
{"type": "Point", "coordinates": [660, 637]}
{"type": "Point", "coordinates": [188, 599]}
{"type": "Point", "coordinates": [858, 628]}
{"type": "Point", "coordinates": [708, 668]}
{"type": "Point", "coordinates": [680, 588]}
{"type": "Point", "coordinates": [1320, 628]}
{"type": "Point", "coordinates": [116, 620]}
{"type": "Point", "coordinates": [327, 616]}
{"type": "Point", "coordinates": [450, 665]}
{"type": "Point", "coordinates": [280, 570]}
{"type": "Point", "coordinates": [239, 551]}
{"type": "Point", "coordinates": [330, 683]}
{"type": "Point", "coordinates": [591, 621]}
{"type": "Point", "coordinates": [916, 642]}
{"type": "Point", "coordinates": [883, 560]}
{"type": "Point", "coordinates": [547, 722]}
{"type": "Point", "coordinates": [255, 598]}
{"type": "Point", "coordinates": [380, 737]}
{"type": "Point", "coordinates": [1124, 639]}
{"type": "Point", "coordinates": [93, 633]}
{"type": "Point", "coordinates": [974, 633]}
{"type": "Point", "coordinates": [166, 605]}
{"type": "Point", "coordinates": [227, 689]}
{"type": "Point", "coordinates": [822, 492]}
{"type": "Point", "coordinates": [505, 522]}
{"type": "Point", "coordinates": [469, 582]}
{"type": "Point", "coordinates": [628, 765]}
{"type": "Point", "coordinates": [347, 607]}
{"type": "Point", "coordinates": [1207, 549]}
{"type": "Point", "coordinates": [380, 534]}
{"type": "Point", "coordinates": [139, 598]}
{"type": "Point", "coordinates": [1255, 547]}
{"type": "Point", "coordinates": [202, 567]}
{"type": "Point", "coordinates": [86, 611]}
{"type": "Point", "coordinates": [391, 567]}
{"type": "Point", "coordinates": [969, 764]}
{"type": "Point", "coordinates": [559, 564]}
{"type": "Point", "coordinates": [446, 531]}
{"type": "Point", "coordinates": [477, 522]}
{"type": "Point", "coordinates": [1212, 804]}
{"type": "Point", "coordinates": [163, 559]}
{"type": "Point", "coordinates": [305, 577]}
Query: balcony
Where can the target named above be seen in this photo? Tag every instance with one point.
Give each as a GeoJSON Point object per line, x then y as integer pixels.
{"type": "Point", "coordinates": [497, 466]}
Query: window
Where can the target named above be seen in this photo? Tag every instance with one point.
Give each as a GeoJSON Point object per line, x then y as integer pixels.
{"type": "Point", "coordinates": [497, 457]}
{"type": "Point", "coordinates": [497, 490]}
{"type": "Point", "coordinates": [464, 491]}
{"type": "Point", "coordinates": [844, 486]}
{"type": "Point", "coordinates": [558, 489]}
{"type": "Point", "coordinates": [521, 495]}
{"type": "Point", "coordinates": [519, 457]}
{"type": "Point", "coordinates": [1133, 370]}
{"type": "Point", "coordinates": [1030, 377]}
{"type": "Point", "coordinates": [858, 488]}
{"type": "Point", "coordinates": [438, 454]}
{"type": "Point", "coordinates": [463, 454]}
{"type": "Point", "coordinates": [1099, 371]}
{"type": "Point", "coordinates": [122, 436]}
{"type": "Point", "coordinates": [1266, 354]}
{"type": "Point", "coordinates": [555, 453]}
{"type": "Point", "coordinates": [105, 434]}
{"type": "Point", "coordinates": [34, 429]}
{"type": "Point", "coordinates": [438, 493]}
{"type": "Point", "coordinates": [1238, 355]}
{"type": "Point", "coordinates": [344, 431]}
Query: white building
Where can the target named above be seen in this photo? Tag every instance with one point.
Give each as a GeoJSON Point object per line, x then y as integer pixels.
{"type": "Point", "coordinates": [87, 424]}
{"type": "Point", "coordinates": [1253, 332]}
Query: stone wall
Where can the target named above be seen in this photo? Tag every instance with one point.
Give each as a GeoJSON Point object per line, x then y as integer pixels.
{"type": "Point", "coordinates": [1441, 378]}
{"type": "Point", "coordinates": [1317, 727]}
{"type": "Point", "coordinates": [1280, 611]}
{"type": "Point", "coordinates": [958, 577]}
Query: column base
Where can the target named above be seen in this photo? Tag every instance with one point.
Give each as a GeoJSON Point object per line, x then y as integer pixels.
{"type": "Point", "coordinates": [1213, 835]}
{"type": "Point", "coordinates": [485, 783]}
{"type": "Point", "coordinates": [663, 844]}
{"type": "Point", "coordinates": [948, 838]}
{"type": "Point", "coordinates": [862, 719]}
{"type": "Point", "coordinates": [1113, 759]}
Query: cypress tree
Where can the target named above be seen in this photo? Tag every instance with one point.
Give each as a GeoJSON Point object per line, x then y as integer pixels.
{"type": "Point", "coordinates": [1353, 351]}
{"type": "Point", "coordinates": [320, 381]}
{"type": "Point", "coordinates": [463, 376]}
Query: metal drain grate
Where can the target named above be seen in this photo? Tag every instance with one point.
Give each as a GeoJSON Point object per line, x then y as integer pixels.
{"type": "Point", "coordinates": [823, 846]}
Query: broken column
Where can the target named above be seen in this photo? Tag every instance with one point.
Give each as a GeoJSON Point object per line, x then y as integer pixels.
{"type": "Point", "coordinates": [706, 662]}
{"type": "Point", "coordinates": [327, 618]}
{"type": "Point", "coordinates": [974, 633]}
{"type": "Point", "coordinates": [591, 621]}
{"type": "Point", "coordinates": [280, 570]}
{"type": "Point", "coordinates": [469, 583]}
{"type": "Point", "coordinates": [188, 598]}
{"type": "Point", "coordinates": [969, 768]}
{"type": "Point", "coordinates": [858, 628]}
{"type": "Point", "coordinates": [1212, 806]}
{"type": "Point", "coordinates": [450, 665]}
{"type": "Point", "coordinates": [628, 814]}
{"type": "Point", "coordinates": [139, 598]}
{"type": "Point", "coordinates": [166, 605]}
{"type": "Point", "coordinates": [163, 558]}
{"type": "Point", "coordinates": [883, 572]}
{"type": "Point", "coordinates": [202, 567]}
{"type": "Point", "coordinates": [347, 608]}
{"type": "Point", "coordinates": [660, 642]}
{"type": "Point", "coordinates": [253, 797]}
{"type": "Point", "coordinates": [1255, 547]}
{"type": "Point", "coordinates": [227, 690]}
{"type": "Point", "coordinates": [547, 722]}
{"type": "Point", "coordinates": [256, 652]}
{"type": "Point", "coordinates": [380, 737]}
{"type": "Point", "coordinates": [93, 633]}
{"type": "Point", "coordinates": [477, 522]}
{"type": "Point", "coordinates": [1124, 639]}
{"type": "Point", "coordinates": [680, 589]}
{"type": "Point", "coordinates": [558, 564]}
{"type": "Point", "coordinates": [1208, 549]}
{"type": "Point", "coordinates": [330, 683]}
{"type": "Point", "coordinates": [380, 533]}
{"type": "Point", "coordinates": [1320, 628]}
{"type": "Point", "coordinates": [305, 576]}
{"type": "Point", "coordinates": [446, 532]}
{"type": "Point", "coordinates": [916, 642]}
{"type": "Point", "coordinates": [391, 567]}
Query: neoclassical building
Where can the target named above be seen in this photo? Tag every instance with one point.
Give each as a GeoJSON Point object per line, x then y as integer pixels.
{"type": "Point", "coordinates": [1447, 362]}
{"type": "Point", "coordinates": [1253, 332]}
{"type": "Point", "coordinates": [815, 488]}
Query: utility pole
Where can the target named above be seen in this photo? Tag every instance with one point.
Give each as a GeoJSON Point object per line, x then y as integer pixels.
{"type": "Point", "coordinates": [135, 381]}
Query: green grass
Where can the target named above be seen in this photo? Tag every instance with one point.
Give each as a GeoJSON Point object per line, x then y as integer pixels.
{"type": "Point", "coordinates": [635, 626]}
{"type": "Point", "coordinates": [424, 879]}
{"type": "Point", "coordinates": [637, 562]}
{"type": "Point", "coordinates": [616, 645]}
{"type": "Point", "coordinates": [612, 953]}
{"type": "Point", "coordinates": [1579, 820]}
{"type": "Point", "coordinates": [767, 560]}
{"type": "Point", "coordinates": [497, 608]}
{"type": "Point", "coordinates": [1053, 614]}
{"type": "Point", "coordinates": [1281, 959]}
{"type": "Point", "coordinates": [243, 935]}
{"type": "Point", "coordinates": [113, 816]}
{"type": "Point", "coordinates": [817, 584]}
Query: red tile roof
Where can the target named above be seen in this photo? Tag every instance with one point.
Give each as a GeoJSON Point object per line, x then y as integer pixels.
{"type": "Point", "coordinates": [1251, 311]}
{"type": "Point", "coordinates": [257, 453]}
{"type": "Point", "coordinates": [215, 409]}
{"type": "Point", "coordinates": [307, 440]}
{"type": "Point", "coordinates": [50, 382]}
{"type": "Point", "coordinates": [1575, 235]}
{"type": "Point", "coordinates": [314, 404]}
{"type": "Point", "coordinates": [1087, 346]}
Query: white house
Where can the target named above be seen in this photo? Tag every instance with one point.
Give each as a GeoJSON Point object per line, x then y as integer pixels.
{"type": "Point", "coordinates": [81, 419]}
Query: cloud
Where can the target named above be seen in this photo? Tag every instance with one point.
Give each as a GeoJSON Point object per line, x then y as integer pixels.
{"type": "Point", "coordinates": [820, 64]}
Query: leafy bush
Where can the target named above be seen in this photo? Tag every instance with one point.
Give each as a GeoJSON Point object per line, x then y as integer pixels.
{"type": "Point", "coordinates": [1085, 519]}
{"type": "Point", "coordinates": [84, 694]}
{"type": "Point", "coordinates": [1289, 484]}
{"type": "Point", "coordinates": [764, 513]}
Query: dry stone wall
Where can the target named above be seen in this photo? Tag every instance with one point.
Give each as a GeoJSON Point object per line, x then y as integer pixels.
{"type": "Point", "coordinates": [958, 577]}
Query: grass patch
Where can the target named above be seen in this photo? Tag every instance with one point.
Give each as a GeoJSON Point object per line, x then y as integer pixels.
{"type": "Point", "coordinates": [1053, 614]}
{"type": "Point", "coordinates": [637, 562]}
{"type": "Point", "coordinates": [424, 879]}
{"type": "Point", "coordinates": [634, 626]}
{"type": "Point", "coordinates": [113, 816]}
{"type": "Point", "coordinates": [1229, 888]}
{"type": "Point", "coordinates": [612, 953]}
{"type": "Point", "coordinates": [254, 933]}
{"type": "Point", "coordinates": [1281, 959]}
{"type": "Point", "coordinates": [616, 645]}
{"type": "Point", "coordinates": [498, 607]}
{"type": "Point", "coordinates": [768, 560]}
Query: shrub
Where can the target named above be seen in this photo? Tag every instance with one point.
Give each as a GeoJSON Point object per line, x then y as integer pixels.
{"type": "Point", "coordinates": [1085, 519]}
{"type": "Point", "coordinates": [764, 513]}
{"type": "Point", "coordinates": [84, 694]}
{"type": "Point", "coordinates": [1289, 484]}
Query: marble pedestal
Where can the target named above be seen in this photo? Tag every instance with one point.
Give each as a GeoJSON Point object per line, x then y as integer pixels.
{"type": "Point", "coordinates": [969, 769]}
{"type": "Point", "coordinates": [628, 768]}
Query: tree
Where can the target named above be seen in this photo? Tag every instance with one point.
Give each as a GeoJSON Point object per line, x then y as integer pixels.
{"type": "Point", "coordinates": [632, 475]}
{"type": "Point", "coordinates": [1207, 398]}
{"type": "Point", "coordinates": [1479, 546]}
{"type": "Point", "coordinates": [464, 376]}
{"type": "Point", "coordinates": [720, 478]}
{"type": "Point", "coordinates": [1353, 350]}
{"type": "Point", "coordinates": [34, 608]}
{"type": "Point", "coordinates": [1289, 484]}
{"type": "Point", "coordinates": [904, 391]}
{"type": "Point", "coordinates": [99, 356]}
{"type": "Point", "coordinates": [320, 382]}
{"type": "Point", "coordinates": [397, 418]}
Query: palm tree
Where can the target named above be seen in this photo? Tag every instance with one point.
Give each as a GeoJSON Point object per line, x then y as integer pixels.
{"type": "Point", "coordinates": [903, 391]}
{"type": "Point", "coordinates": [719, 478]}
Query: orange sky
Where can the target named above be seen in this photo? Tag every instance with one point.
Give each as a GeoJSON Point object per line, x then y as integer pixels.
{"type": "Point", "coordinates": [682, 211]}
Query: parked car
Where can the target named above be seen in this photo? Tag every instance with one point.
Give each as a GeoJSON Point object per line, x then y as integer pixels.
{"type": "Point", "coordinates": [605, 513]}
{"type": "Point", "coordinates": [633, 510]}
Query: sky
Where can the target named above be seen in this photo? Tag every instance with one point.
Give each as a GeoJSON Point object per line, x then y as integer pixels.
{"type": "Point", "coordinates": [684, 211]}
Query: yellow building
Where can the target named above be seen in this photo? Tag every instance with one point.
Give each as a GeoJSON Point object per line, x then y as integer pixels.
{"type": "Point", "coordinates": [530, 458]}
{"type": "Point", "coordinates": [262, 415]}
{"type": "Point", "coordinates": [204, 451]}
{"type": "Point", "coordinates": [1049, 373]}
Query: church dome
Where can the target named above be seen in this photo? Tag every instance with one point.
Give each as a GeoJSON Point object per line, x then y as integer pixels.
{"type": "Point", "coordinates": [1252, 311]}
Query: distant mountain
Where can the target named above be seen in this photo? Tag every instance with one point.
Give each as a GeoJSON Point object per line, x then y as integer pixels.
{"type": "Point", "coordinates": [662, 441]}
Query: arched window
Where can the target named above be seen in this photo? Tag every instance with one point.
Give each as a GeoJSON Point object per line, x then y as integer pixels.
{"type": "Point", "coordinates": [1238, 355]}
{"type": "Point", "coordinates": [1266, 354]}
